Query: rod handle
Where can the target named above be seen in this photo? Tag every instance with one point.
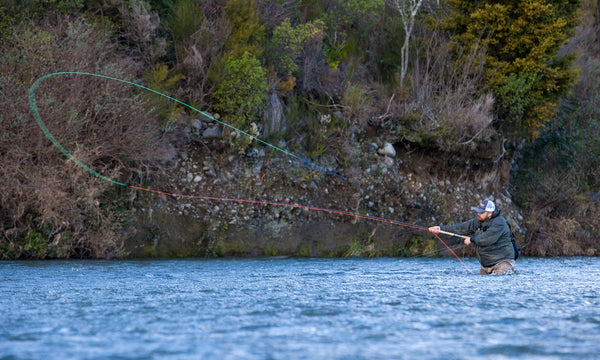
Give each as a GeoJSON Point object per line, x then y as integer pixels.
{"type": "Point", "coordinates": [451, 234]}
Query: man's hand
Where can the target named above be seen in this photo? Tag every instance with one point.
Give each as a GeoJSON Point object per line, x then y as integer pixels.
{"type": "Point", "coordinates": [467, 241]}
{"type": "Point", "coordinates": [435, 229]}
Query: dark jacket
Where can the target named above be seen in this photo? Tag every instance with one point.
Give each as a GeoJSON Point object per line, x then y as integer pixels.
{"type": "Point", "coordinates": [492, 238]}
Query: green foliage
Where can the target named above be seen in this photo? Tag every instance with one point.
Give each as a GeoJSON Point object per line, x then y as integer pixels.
{"type": "Point", "coordinates": [557, 185]}
{"type": "Point", "coordinates": [247, 30]}
{"type": "Point", "coordinates": [562, 164]}
{"type": "Point", "coordinates": [516, 97]}
{"type": "Point", "coordinates": [349, 13]}
{"type": "Point", "coordinates": [184, 20]}
{"type": "Point", "coordinates": [36, 245]}
{"type": "Point", "coordinates": [107, 11]}
{"type": "Point", "coordinates": [354, 249]}
{"type": "Point", "coordinates": [288, 42]}
{"type": "Point", "coordinates": [163, 7]}
{"type": "Point", "coordinates": [319, 128]}
{"type": "Point", "coordinates": [388, 53]}
{"type": "Point", "coordinates": [294, 109]}
{"type": "Point", "coordinates": [336, 51]}
{"type": "Point", "coordinates": [149, 252]}
{"type": "Point", "coordinates": [557, 178]}
{"type": "Point", "coordinates": [159, 78]}
{"type": "Point", "coordinates": [304, 250]}
{"type": "Point", "coordinates": [358, 101]}
{"type": "Point", "coordinates": [523, 39]}
{"type": "Point", "coordinates": [348, 28]}
{"type": "Point", "coordinates": [241, 89]}
{"type": "Point", "coordinates": [39, 243]}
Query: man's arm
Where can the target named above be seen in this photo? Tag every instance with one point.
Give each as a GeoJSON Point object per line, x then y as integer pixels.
{"type": "Point", "coordinates": [464, 227]}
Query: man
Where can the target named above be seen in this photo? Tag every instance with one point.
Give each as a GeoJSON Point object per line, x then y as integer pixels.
{"type": "Point", "coordinates": [490, 234]}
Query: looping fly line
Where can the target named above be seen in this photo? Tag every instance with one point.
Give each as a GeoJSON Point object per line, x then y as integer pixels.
{"type": "Point", "coordinates": [35, 111]}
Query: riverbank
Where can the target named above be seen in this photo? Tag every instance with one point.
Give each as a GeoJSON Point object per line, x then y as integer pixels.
{"type": "Point", "coordinates": [387, 183]}
{"type": "Point", "coordinates": [418, 147]}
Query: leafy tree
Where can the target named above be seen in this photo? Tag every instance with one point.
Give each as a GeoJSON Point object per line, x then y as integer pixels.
{"type": "Point", "coordinates": [241, 90]}
{"type": "Point", "coordinates": [524, 69]}
{"type": "Point", "coordinates": [384, 45]}
{"type": "Point", "coordinates": [288, 43]}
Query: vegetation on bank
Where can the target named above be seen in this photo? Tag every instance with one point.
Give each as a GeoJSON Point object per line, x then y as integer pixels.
{"type": "Point", "coordinates": [468, 83]}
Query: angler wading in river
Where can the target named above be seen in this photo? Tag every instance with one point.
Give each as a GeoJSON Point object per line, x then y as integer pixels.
{"type": "Point", "coordinates": [491, 235]}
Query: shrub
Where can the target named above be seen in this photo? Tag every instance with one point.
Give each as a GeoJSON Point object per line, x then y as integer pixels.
{"type": "Point", "coordinates": [185, 20]}
{"type": "Point", "coordinates": [198, 46]}
{"type": "Point", "coordinates": [161, 79]}
{"type": "Point", "coordinates": [447, 108]}
{"type": "Point", "coordinates": [247, 30]}
{"type": "Point", "coordinates": [287, 45]}
{"type": "Point", "coordinates": [45, 197]}
{"type": "Point", "coordinates": [241, 90]}
{"type": "Point", "coordinates": [320, 131]}
{"type": "Point", "coordinates": [143, 31]}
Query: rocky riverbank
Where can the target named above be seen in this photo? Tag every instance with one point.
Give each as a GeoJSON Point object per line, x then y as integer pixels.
{"type": "Point", "coordinates": [388, 182]}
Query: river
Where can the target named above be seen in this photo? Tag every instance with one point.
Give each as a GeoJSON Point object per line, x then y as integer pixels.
{"type": "Point", "coordinates": [354, 308]}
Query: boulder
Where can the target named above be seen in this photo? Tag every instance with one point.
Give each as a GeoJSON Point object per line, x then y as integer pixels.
{"type": "Point", "coordinates": [387, 150]}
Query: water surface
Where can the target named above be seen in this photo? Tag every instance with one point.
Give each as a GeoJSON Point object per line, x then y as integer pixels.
{"type": "Point", "coordinates": [383, 308]}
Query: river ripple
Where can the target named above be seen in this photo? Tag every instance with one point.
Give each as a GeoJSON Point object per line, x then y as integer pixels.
{"type": "Point", "coordinates": [299, 309]}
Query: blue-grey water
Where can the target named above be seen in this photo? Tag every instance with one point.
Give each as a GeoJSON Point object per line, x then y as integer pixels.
{"type": "Point", "coordinates": [383, 308]}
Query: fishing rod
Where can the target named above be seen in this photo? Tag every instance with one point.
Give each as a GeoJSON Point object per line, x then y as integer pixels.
{"type": "Point", "coordinates": [35, 112]}
{"type": "Point", "coordinates": [304, 207]}
{"type": "Point", "coordinates": [451, 234]}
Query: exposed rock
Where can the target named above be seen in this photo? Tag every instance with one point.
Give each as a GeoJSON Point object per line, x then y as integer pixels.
{"type": "Point", "coordinates": [388, 161]}
{"type": "Point", "coordinates": [212, 132]}
{"type": "Point", "coordinates": [196, 124]}
{"type": "Point", "coordinates": [387, 150]}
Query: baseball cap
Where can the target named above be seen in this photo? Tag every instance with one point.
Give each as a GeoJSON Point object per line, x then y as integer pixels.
{"type": "Point", "coordinates": [486, 205]}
